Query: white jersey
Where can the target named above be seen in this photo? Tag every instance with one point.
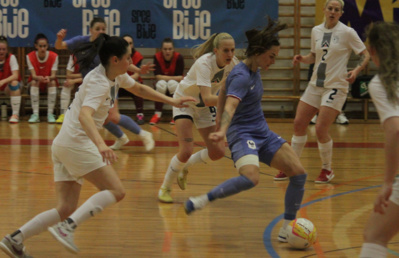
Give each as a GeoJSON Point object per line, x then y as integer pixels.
{"type": "Point", "coordinates": [204, 72]}
{"type": "Point", "coordinates": [13, 63]}
{"type": "Point", "coordinates": [333, 48]}
{"type": "Point", "coordinates": [385, 108]}
{"type": "Point", "coordinates": [97, 92]}
{"type": "Point", "coordinates": [71, 64]}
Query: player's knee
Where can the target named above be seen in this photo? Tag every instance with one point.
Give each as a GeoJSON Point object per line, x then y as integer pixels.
{"type": "Point", "coordinates": [119, 194]}
{"type": "Point", "coordinates": [251, 172]}
{"type": "Point", "coordinates": [14, 86]}
{"type": "Point", "coordinates": [52, 83]}
{"type": "Point", "coordinates": [161, 86]}
{"type": "Point", "coordinates": [172, 85]}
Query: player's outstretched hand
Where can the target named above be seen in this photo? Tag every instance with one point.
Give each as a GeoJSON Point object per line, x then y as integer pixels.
{"type": "Point", "coordinates": [146, 68]}
{"type": "Point", "coordinates": [180, 102]}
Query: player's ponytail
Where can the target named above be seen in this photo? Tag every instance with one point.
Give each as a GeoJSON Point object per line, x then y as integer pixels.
{"type": "Point", "coordinates": [260, 41]}
{"type": "Point", "coordinates": [384, 38]}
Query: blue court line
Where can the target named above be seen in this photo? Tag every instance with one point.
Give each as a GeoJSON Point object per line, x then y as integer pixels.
{"type": "Point", "coordinates": [268, 231]}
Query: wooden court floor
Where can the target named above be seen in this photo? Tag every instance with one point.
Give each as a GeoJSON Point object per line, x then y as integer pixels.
{"type": "Point", "coordinates": [245, 225]}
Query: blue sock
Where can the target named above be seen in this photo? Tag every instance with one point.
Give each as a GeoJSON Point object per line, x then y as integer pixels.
{"type": "Point", "coordinates": [129, 124]}
{"type": "Point", "coordinates": [294, 195]}
{"type": "Point", "coordinates": [114, 129]}
{"type": "Point", "coordinates": [232, 186]}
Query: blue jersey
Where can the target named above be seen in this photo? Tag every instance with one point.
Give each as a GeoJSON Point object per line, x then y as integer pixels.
{"type": "Point", "coordinates": [246, 86]}
{"type": "Point", "coordinates": [74, 43]}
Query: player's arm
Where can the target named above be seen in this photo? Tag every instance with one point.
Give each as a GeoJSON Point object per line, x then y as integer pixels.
{"type": "Point", "coordinates": [13, 77]}
{"type": "Point", "coordinates": [208, 99]}
{"type": "Point", "coordinates": [364, 60]}
{"type": "Point", "coordinates": [177, 78]}
{"type": "Point", "coordinates": [147, 92]}
{"type": "Point", "coordinates": [221, 103]}
{"type": "Point", "coordinates": [228, 113]}
{"type": "Point", "coordinates": [59, 42]}
{"type": "Point", "coordinates": [308, 59]}
{"type": "Point", "coordinates": [89, 126]}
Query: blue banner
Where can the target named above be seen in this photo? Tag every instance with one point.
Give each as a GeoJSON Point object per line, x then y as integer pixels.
{"type": "Point", "coordinates": [188, 22]}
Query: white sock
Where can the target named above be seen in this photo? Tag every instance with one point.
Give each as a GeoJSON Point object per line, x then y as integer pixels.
{"type": "Point", "coordinates": [198, 157]}
{"type": "Point", "coordinates": [143, 133]}
{"type": "Point", "coordinates": [15, 104]}
{"type": "Point", "coordinates": [158, 113]}
{"type": "Point", "coordinates": [65, 98]}
{"type": "Point", "coordinates": [285, 223]}
{"type": "Point", "coordinates": [51, 97]}
{"type": "Point", "coordinates": [370, 250]}
{"type": "Point", "coordinates": [298, 143]}
{"type": "Point", "coordinates": [94, 205]}
{"type": "Point", "coordinates": [34, 99]}
{"type": "Point", "coordinates": [174, 168]}
{"type": "Point", "coordinates": [38, 224]}
{"type": "Point", "coordinates": [325, 150]}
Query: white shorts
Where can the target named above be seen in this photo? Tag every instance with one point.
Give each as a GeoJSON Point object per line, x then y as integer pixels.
{"type": "Point", "coordinates": [395, 192]}
{"type": "Point", "coordinates": [71, 164]}
{"type": "Point", "coordinates": [202, 117]}
{"type": "Point", "coordinates": [319, 96]}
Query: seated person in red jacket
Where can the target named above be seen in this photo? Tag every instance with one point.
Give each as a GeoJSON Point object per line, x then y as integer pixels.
{"type": "Point", "coordinates": [169, 69]}
{"type": "Point", "coordinates": [43, 66]}
{"type": "Point", "coordinates": [10, 79]}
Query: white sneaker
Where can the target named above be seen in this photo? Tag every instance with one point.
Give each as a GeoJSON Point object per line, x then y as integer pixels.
{"type": "Point", "coordinates": [14, 119]}
{"type": "Point", "coordinates": [341, 119]}
{"type": "Point", "coordinates": [9, 246]}
{"type": "Point", "coordinates": [64, 233]}
{"type": "Point", "coordinates": [195, 203]}
{"type": "Point", "coordinates": [314, 119]}
{"type": "Point", "coordinates": [282, 235]}
{"type": "Point", "coordinates": [147, 139]}
{"type": "Point", "coordinates": [120, 142]}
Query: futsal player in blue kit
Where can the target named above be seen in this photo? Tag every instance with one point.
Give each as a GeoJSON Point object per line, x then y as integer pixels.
{"type": "Point", "coordinates": [249, 137]}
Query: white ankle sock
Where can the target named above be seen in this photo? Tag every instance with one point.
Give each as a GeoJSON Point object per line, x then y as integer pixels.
{"type": "Point", "coordinates": [38, 224]}
{"type": "Point", "coordinates": [174, 168]}
{"type": "Point", "coordinates": [298, 143]}
{"type": "Point", "coordinates": [94, 205]}
{"type": "Point", "coordinates": [370, 250]}
{"type": "Point", "coordinates": [325, 150]}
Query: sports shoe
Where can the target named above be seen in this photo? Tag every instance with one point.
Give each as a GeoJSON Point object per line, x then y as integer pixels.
{"type": "Point", "coordinates": [154, 119]}
{"type": "Point", "coordinates": [324, 177]}
{"type": "Point", "coordinates": [147, 139]}
{"type": "Point", "coordinates": [60, 119]}
{"type": "Point", "coordinates": [341, 119]}
{"type": "Point", "coordinates": [51, 118]}
{"type": "Point", "coordinates": [12, 248]}
{"type": "Point", "coordinates": [140, 119]}
{"type": "Point", "coordinates": [314, 119]}
{"type": "Point", "coordinates": [172, 122]}
{"type": "Point", "coordinates": [195, 203]}
{"type": "Point", "coordinates": [120, 142]}
{"type": "Point", "coordinates": [182, 179]}
{"type": "Point", "coordinates": [280, 176]}
{"type": "Point", "coordinates": [164, 195]}
{"type": "Point", "coordinates": [64, 233]}
{"type": "Point", "coordinates": [282, 235]}
{"type": "Point", "coordinates": [14, 119]}
{"type": "Point", "coordinates": [34, 118]}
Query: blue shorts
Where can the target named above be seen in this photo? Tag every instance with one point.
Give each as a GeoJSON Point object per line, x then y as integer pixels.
{"type": "Point", "coordinates": [264, 147]}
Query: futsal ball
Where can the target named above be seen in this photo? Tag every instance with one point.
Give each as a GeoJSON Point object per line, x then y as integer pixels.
{"type": "Point", "coordinates": [301, 233]}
